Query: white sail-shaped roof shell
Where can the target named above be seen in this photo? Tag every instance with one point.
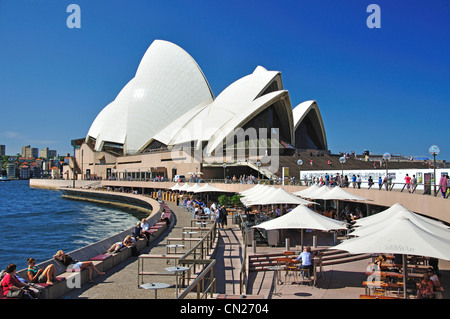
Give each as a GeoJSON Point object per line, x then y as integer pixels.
{"type": "Point", "coordinates": [237, 104]}
{"type": "Point", "coordinates": [302, 110]}
{"type": "Point", "coordinates": [167, 84]}
{"type": "Point", "coordinates": [103, 130]}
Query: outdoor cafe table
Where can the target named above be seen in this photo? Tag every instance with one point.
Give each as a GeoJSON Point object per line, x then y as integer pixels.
{"type": "Point", "coordinates": [155, 286]}
{"type": "Point", "coordinates": [190, 233]}
{"type": "Point", "coordinates": [276, 268]}
{"type": "Point", "coordinates": [394, 274]}
{"type": "Point", "coordinates": [173, 246]}
{"type": "Point", "coordinates": [381, 284]}
{"type": "Point", "coordinates": [420, 269]}
{"type": "Point", "coordinates": [176, 270]}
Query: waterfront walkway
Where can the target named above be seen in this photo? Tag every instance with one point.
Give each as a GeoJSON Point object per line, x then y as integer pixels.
{"type": "Point", "coordinates": [341, 281]}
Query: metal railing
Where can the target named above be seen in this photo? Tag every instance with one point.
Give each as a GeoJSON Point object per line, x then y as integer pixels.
{"type": "Point", "coordinates": [205, 282]}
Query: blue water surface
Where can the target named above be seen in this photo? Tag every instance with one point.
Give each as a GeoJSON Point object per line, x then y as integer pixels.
{"type": "Point", "coordinates": [38, 222]}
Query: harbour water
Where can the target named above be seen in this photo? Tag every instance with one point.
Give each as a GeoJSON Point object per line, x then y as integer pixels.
{"type": "Point", "coordinates": [38, 222]}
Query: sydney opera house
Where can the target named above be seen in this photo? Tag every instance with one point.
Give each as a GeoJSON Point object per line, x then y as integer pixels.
{"type": "Point", "coordinates": [167, 121]}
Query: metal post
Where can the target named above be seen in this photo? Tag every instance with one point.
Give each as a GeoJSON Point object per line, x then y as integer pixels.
{"type": "Point", "coordinates": [434, 174]}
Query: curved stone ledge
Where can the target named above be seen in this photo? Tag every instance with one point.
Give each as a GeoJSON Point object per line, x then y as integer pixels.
{"type": "Point", "coordinates": [147, 204]}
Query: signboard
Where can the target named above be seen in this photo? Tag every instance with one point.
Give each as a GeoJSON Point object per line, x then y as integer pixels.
{"type": "Point", "coordinates": [285, 173]}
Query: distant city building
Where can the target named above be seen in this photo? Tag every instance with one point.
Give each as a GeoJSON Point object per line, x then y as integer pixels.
{"type": "Point", "coordinates": [24, 172]}
{"type": "Point", "coordinates": [28, 151]}
{"type": "Point", "coordinates": [47, 153]}
{"type": "Point", "coordinates": [11, 170]}
{"type": "Point", "coordinates": [24, 148]}
{"type": "Point", "coordinates": [2, 150]}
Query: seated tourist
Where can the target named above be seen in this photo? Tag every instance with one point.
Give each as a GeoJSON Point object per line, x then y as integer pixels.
{"type": "Point", "coordinates": [36, 275]}
{"type": "Point", "coordinates": [75, 265]}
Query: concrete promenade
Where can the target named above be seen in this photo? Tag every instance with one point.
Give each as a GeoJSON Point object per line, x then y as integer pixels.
{"type": "Point", "coordinates": [342, 281]}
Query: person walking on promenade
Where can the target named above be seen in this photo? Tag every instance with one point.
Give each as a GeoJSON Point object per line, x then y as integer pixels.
{"type": "Point", "coordinates": [358, 181]}
{"type": "Point", "coordinates": [354, 181]}
{"type": "Point", "coordinates": [380, 183]}
{"type": "Point", "coordinates": [413, 183]}
{"type": "Point", "coordinates": [443, 185]}
{"type": "Point", "coordinates": [408, 183]}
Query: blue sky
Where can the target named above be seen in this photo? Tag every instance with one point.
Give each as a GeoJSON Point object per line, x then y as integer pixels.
{"type": "Point", "coordinates": [385, 90]}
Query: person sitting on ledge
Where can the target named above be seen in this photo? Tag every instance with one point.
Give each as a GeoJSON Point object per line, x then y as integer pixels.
{"type": "Point", "coordinates": [137, 232]}
{"type": "Point", "coordinates": [145, 230]}
{"type": "Point", "coordinates": [36, 275]}
{"type": "Point", "coordinates": [67, 261]}
{"type": "Point", "coordinates": [13, 287]}
{"type": "Point", "coordinates": [115, 248]}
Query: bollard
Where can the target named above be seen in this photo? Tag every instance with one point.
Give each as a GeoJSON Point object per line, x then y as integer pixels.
{"type": "Point", "coordinates": [287, 243]}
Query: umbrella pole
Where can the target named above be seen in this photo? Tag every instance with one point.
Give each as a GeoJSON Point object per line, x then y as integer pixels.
{"type": "Point", "coordinates": [302, 240]}
{"type": "Point", "coordinates": [404, 261]}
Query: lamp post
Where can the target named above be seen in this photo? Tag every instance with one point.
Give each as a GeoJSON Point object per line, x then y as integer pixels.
{"type": "Point", "coordinates": [224, 170]}
{"type": "Point", "coordinates": [299, 163]}
{"type": "Point", "coordinates": [434, 150]}
{"type": "Point", "coordinates": [342, 160]}
{"type": "Point", "coordinates": [258, 163]}
{"type": "Point", "coordinates": [386, 157]}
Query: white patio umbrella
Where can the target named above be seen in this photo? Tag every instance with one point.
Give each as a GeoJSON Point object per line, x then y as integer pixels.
{"type": "Point", "coordinates": [400, 236]}
{"type": "Point", "coordinates": [193, 188]}
{"type": "Point", "coordinates": [253, 190]}
{"type": "Point", "coordinates": [207, 188]}
{"type": "Point", "coordinates": [302, 218]}
{"type": "Point", "coordinates": [305, 192]}
{"type": "Point", "coordinates": [337, 193]}
{"type": "Point", "coordinates": [425, 223]}
{"type": "Point", "coordinates": [185, 187]}
{"type": "Point", "coordinates": [175, 187]}
{"type": "Point", "coordinates": [318, 193]}
{"type": "Point", "coordinates": [260, 192]}
{"type": "Point", "coordinates": [277, 196]}
{"type": "Point", "coordinates": [387, 213]}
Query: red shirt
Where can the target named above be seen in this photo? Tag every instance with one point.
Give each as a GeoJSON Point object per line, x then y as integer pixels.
{"type": "Point", "coordinates": [407, 179]}
{"type": "Point", "coordinates": [9, 281]}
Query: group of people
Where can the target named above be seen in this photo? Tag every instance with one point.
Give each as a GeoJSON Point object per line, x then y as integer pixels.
{"type": "Point", "coordinates": [202, 211]}
{"type": "Point", "coordinates": [429, 287]}
{"type": "Point", "coordinates": [13, 286]}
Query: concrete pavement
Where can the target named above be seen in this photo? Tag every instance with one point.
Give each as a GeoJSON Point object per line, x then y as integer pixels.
{"type": "Point", "coordinates": [342, 281]}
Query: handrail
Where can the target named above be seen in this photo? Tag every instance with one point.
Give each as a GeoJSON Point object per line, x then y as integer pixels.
{"type": "Point", "coordinates": [201, 258]}
{"type": "Point", "coordinates": [199, 282]}
{"type": "Point", "coordinates": [243, 273]}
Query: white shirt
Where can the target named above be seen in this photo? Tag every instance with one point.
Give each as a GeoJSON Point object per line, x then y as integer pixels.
{"type": "Point", "coordinates": [144, 226]}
